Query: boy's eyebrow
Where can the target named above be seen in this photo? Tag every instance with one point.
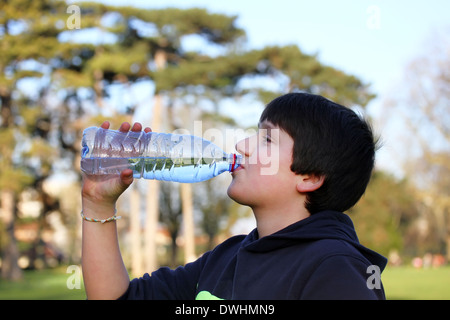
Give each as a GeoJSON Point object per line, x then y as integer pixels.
{"type": "Point", "coordinates": [266, 125]}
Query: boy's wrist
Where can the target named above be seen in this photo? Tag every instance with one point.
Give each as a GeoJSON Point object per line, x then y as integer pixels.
{"type": "Point", "coordinates": [98, 210]}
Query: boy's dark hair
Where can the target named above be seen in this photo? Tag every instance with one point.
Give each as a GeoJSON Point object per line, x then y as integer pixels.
{"type": "Point", "coordinates": [330, 140]}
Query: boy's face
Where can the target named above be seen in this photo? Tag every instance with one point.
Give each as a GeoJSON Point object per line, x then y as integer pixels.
{"type": "Point", "coordinates": [265, 178]}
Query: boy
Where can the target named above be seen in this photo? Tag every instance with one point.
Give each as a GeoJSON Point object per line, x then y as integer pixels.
{"type": "Point", "coordinates": [304, 246]}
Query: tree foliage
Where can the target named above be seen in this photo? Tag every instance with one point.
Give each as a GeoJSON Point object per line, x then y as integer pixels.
{"type": "Point", "coordinates": [421, 105]}
{"type": "Point", "coordinates": [385, 213]}
{"type": "Point", "coordinates": [304, 72]}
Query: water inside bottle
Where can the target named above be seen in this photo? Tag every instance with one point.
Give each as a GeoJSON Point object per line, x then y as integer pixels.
{"type": "Point", "coordinates": [160, 168]}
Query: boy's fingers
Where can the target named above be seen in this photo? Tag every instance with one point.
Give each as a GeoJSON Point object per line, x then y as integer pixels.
{"type": "Point", "coordinates": [136, 127]}
{"type": "Point", "coordinates": [105, 125]}
{"type": "Point", "coordinates": [124, 127]}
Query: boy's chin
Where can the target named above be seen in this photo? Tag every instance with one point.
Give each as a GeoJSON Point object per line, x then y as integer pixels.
{"type": "Point", "coordinates": [231, 192]}
{"type": "Point", "coordinates": [236, 195]}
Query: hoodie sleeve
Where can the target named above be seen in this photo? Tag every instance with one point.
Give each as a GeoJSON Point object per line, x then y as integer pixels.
{"type": "Point", "coordinates": [167, 284]}
{"type": "Point", "coordinates": [341, 277]}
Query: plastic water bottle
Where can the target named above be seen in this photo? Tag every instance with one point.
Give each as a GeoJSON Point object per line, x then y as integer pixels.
{"type": "Point", "coordinates": [160, 156]}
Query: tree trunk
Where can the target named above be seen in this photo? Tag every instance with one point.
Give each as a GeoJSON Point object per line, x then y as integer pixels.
{"type": "Point", "coordinates": [135, 229]}
{"type": "Point", "coordinates": [6, 107]}
{"type": "Point", "coordinates": [10, 267]}
{"type": "Point", "coordinates": [152, 201]}
{"type": "Point", "coordinates": [447, 249]}
{"type": "Point", "coordinates": [151, 225]}
{"type": "Point", "coordinates": [188, 222]}
{"type": "Point", "coordinates": [153, 189]}
{"type": "Point", "coordinates": [173, 250]}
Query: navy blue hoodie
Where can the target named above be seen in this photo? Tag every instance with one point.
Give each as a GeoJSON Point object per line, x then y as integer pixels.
{"type": "Point", "coordinates": [319, 257]}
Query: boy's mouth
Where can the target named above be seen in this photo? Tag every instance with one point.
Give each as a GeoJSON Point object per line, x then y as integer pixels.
{"type": "Point", "coordinates": [241, 167]}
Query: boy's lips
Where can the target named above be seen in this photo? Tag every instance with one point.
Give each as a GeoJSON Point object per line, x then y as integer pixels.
{"type": "Point", "coordinates": [241, 167]}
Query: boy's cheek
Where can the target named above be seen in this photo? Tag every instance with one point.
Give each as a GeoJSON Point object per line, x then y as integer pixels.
{"type": "Point", "coordinates": [269, 161]}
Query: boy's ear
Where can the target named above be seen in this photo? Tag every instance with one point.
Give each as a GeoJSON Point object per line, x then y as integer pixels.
{"type": "Point", "coordinates": [309, 182]}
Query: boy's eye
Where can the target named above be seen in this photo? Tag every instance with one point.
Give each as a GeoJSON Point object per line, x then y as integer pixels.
{"type": "Point", "coordinates": [268, 139]}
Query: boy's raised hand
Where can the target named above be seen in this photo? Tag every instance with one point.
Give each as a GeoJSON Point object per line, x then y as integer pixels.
{"type": "Point", "coordinates": [99, 196]}
{"type": "Point", "coordinates": [106, 189]}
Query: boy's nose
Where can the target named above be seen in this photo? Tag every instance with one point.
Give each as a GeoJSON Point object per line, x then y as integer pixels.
{"type": "Point", "coordinates": [246, 146]}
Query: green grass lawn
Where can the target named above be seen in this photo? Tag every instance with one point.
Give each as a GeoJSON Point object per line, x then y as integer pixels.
{"type": "Point", "coordinates": [50, 284]}
{"type": "Point", "coordinates": [400, 283]}
{"type": "Point", "coordinates": [408, 283]}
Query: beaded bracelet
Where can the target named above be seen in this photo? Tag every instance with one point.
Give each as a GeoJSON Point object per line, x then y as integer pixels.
{"type": "Point", "coordinates": [114, 217]}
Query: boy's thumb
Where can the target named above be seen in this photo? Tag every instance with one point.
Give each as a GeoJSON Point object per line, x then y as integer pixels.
{"type": "Point", "coordinates": [126, 178]}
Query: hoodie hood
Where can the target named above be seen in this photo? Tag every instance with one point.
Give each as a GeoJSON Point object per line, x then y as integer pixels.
{"type": "Point", "coordinates": [321, 225]}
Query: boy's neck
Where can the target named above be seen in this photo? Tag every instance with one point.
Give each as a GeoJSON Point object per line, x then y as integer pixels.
{"type": "Point", "coordinates": [269, 221]}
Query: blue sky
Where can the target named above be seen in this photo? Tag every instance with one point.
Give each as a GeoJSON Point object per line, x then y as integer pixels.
{"type": "Point", "coordinates": [344, 33]}
{"type": "Point", "coordinates": [372, 39]}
